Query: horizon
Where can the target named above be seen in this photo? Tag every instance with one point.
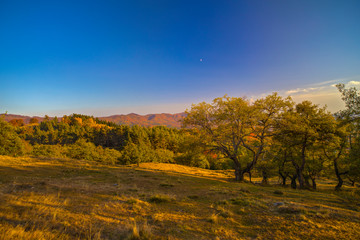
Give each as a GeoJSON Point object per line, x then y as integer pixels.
{"type": "Point", "coordinates": [321, 95]}
{"type": "Point", "coordinates": [112, 58]}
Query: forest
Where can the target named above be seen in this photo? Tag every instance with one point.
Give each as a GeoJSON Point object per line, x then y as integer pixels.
{"type": "Point", "coordinates": [270, 137]}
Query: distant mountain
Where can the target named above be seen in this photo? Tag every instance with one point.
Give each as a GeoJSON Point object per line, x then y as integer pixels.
{"type": "Point", "coordinates": [26, 119]}
{"type": "Point", "coordinates": [163, 119]}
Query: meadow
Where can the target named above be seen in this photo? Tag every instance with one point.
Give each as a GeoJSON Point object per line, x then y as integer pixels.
{"type": "Point", "coordinates": [45, 198]}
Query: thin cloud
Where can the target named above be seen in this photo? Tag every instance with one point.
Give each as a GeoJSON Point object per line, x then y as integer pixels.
{"type": "Point", "coordinates": [328, 82]}
{"type": "Point", "coordinates": [323, 93]}
{"type": "Point", "coordinates": [303, 90]}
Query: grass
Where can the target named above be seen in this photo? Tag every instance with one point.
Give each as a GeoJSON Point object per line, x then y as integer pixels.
{"type": "Point", "coordinates": [71, 199]}
{"type": "Point", "coordinates": [161, 199]}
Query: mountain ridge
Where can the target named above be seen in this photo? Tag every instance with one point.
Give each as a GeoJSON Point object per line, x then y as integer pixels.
{"type": "Point", "coordinates": [148, 120]}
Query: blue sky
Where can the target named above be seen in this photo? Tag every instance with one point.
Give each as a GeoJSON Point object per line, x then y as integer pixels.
{"type": "Point", "coordinates": [113, 57]}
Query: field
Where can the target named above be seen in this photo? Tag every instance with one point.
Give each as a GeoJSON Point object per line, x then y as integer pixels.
{"type": "Point", "coordinates": [72, 199]}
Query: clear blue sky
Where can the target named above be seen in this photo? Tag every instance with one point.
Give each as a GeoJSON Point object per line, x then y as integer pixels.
{"type": "Point", "coordinates": [112, 57]}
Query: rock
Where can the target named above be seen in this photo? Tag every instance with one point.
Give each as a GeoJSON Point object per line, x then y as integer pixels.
{"type": "Point", "coordinates": [277, 204]}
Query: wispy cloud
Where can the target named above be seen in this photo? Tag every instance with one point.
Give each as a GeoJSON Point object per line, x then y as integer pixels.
{"type": "Point", "coordinates": [329, 82]}
{"type": "Point", "coordinates": [303, 90]}
{"type": "Point", "coordinates": [325, 86]}
{"type": "Point", "coordinates": [322, 93]}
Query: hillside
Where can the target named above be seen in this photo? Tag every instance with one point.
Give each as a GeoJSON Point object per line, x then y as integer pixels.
{"type": "Point", "coordinates": [73, 199]}
{"type": "Point", "coordinates": [26, 119]}
{"type": "Point", "coordinates": [162, 119]}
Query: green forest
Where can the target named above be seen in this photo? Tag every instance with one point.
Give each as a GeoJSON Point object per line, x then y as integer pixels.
{"type": "Point", "coordinates": [269, 137]}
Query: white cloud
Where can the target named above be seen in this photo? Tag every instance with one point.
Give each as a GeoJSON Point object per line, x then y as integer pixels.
{"type": "Point", "coordinates": [354, 83]}
{"type": "Point", "coordinates": [294, 91]}
{"type": "Point", "coordinates": [302, 90]}
{"type": "Point", "coordinates": [323, 94]}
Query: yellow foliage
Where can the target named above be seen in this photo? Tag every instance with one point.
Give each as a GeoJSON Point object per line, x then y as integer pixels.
{"type": "Point", "coordinates": [79, 121]}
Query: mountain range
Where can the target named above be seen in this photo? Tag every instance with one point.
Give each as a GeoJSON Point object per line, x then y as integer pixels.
{"type": "Point", "coordinates": [162, 119]}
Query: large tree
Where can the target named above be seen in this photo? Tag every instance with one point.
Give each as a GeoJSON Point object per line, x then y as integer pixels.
{"type": "Point", "coordinates": [300, 129]}
{"type": "Point", "coordinates": [350, 116]}
{"type": "Point", "coordinates": [334, 146]}
{"type": "Point", "coordinates": [238, 127]}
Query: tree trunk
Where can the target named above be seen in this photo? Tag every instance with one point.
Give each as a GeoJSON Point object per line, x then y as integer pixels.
{"type": "Point", "coordinates": [239, 175]}
{"type": "Point", "coordinates": [300, 178]}
{"type": "Point", "coordinates": [352, 182]}
{"type": "Point", "coordinates": [306, 181]}
{"type": "Point", "coordinates": [299, 169]}
{"type": "Point", "coordinates": [283, 180]}
{"type": "Point", "coordinates": [340, 183]}
{"type": "Point", "coordinates": [313, 183]}
{"type": "Point", "coordinates": [293, 181]}
{"type": "Point", "coordinates": [249, 176]}
{"type": "Point", "coordinates": [338, 175]}
{"type": "Point", "coordinates": [265, 178]}
{"type": "Point", "coordinates": [283, 177]}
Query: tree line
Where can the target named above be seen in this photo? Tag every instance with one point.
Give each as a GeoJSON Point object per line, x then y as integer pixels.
{"type": "Point", "coordinates": [272, 136]}
{"type": "Point", "coordinates": [85, 137]}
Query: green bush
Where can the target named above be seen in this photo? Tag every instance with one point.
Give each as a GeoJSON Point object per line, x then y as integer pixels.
{"type": "Point", "coordinates": [88, 151]}
{"type": "Point", "coordinates": [40, 150]}
{"type": "Point", "coordinates": [82, 150]}
{"type": "Point", "coordinates": [163, 156]}
{"type": "Point", "coordinates": [193, 160]}
{"type": "Point", "coordinates": [136, 153]}
{"type": "Point", "coordinates": [10, 142]}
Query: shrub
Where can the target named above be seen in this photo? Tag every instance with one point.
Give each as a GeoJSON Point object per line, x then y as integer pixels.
{"type": "Point", "coordinates": [163, 156]}
{"type": "Point", "coordinates": [10, 142]}
{"type": "Point", "coordinates": [131, 154]}
{"type": "Point", "coordinates": [88, 151]}
{"type": "Point", "coordinates": [193, 160]}
{"type": "Point", "coordinates": [40, 150]}
{"type": "Point", "coordinates": [213, 218]}
{"type": "Point", "coordinates": [278, 192]}
{"type": "Point", "coordinates": [161, 199]}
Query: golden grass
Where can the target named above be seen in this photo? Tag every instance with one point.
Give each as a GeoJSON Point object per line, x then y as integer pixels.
{"type": "Point", "coordinates": [71, 199]}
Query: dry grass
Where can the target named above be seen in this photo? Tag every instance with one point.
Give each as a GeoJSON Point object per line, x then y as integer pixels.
{"type": "Point", "coordinates": [70, 199]}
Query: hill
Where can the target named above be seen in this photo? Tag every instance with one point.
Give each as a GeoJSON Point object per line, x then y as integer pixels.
{"type": "Point", "coordinates": [75, 199]}
{"type": "Point", "coordinates": [163, 119]}
{"type": "Point", "coordinates": [26, 119]}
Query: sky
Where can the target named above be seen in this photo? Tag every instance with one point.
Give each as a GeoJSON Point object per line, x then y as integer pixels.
{"type": "Point", "coordinates": [106, 57]}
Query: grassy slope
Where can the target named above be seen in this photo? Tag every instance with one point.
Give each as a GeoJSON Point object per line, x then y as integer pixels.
{"type": "Point", "coordinates": [70, 199]}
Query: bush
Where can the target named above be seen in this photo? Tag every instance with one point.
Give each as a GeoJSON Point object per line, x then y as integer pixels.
{"type": "Point", "coordinates": [88, 151]}
{"type": "Point", "coordinates": [40, 150]}
{"type": "Point", "coordinates": [82, 150]}
{"type": "Point", "coordinates": [163, 156]}
{"type": "Point", "coordinates": [131, 154]}
{"type": "Point", "coordinates": [10, 142]}
{"type": "Point", "coordinates": [109, 156]}
{"type": "Point", "coordinates": [137, 153]}
{"type": "Point", "coordinates": [161, 199]}
{"type": "Point", "coordinates": [220, 163]}
{"type": "Point", "coordinates": [193, 160]}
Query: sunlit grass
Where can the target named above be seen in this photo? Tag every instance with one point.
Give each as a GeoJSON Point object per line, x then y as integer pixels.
{"type": "Point", "coordinates": [71, 199]}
